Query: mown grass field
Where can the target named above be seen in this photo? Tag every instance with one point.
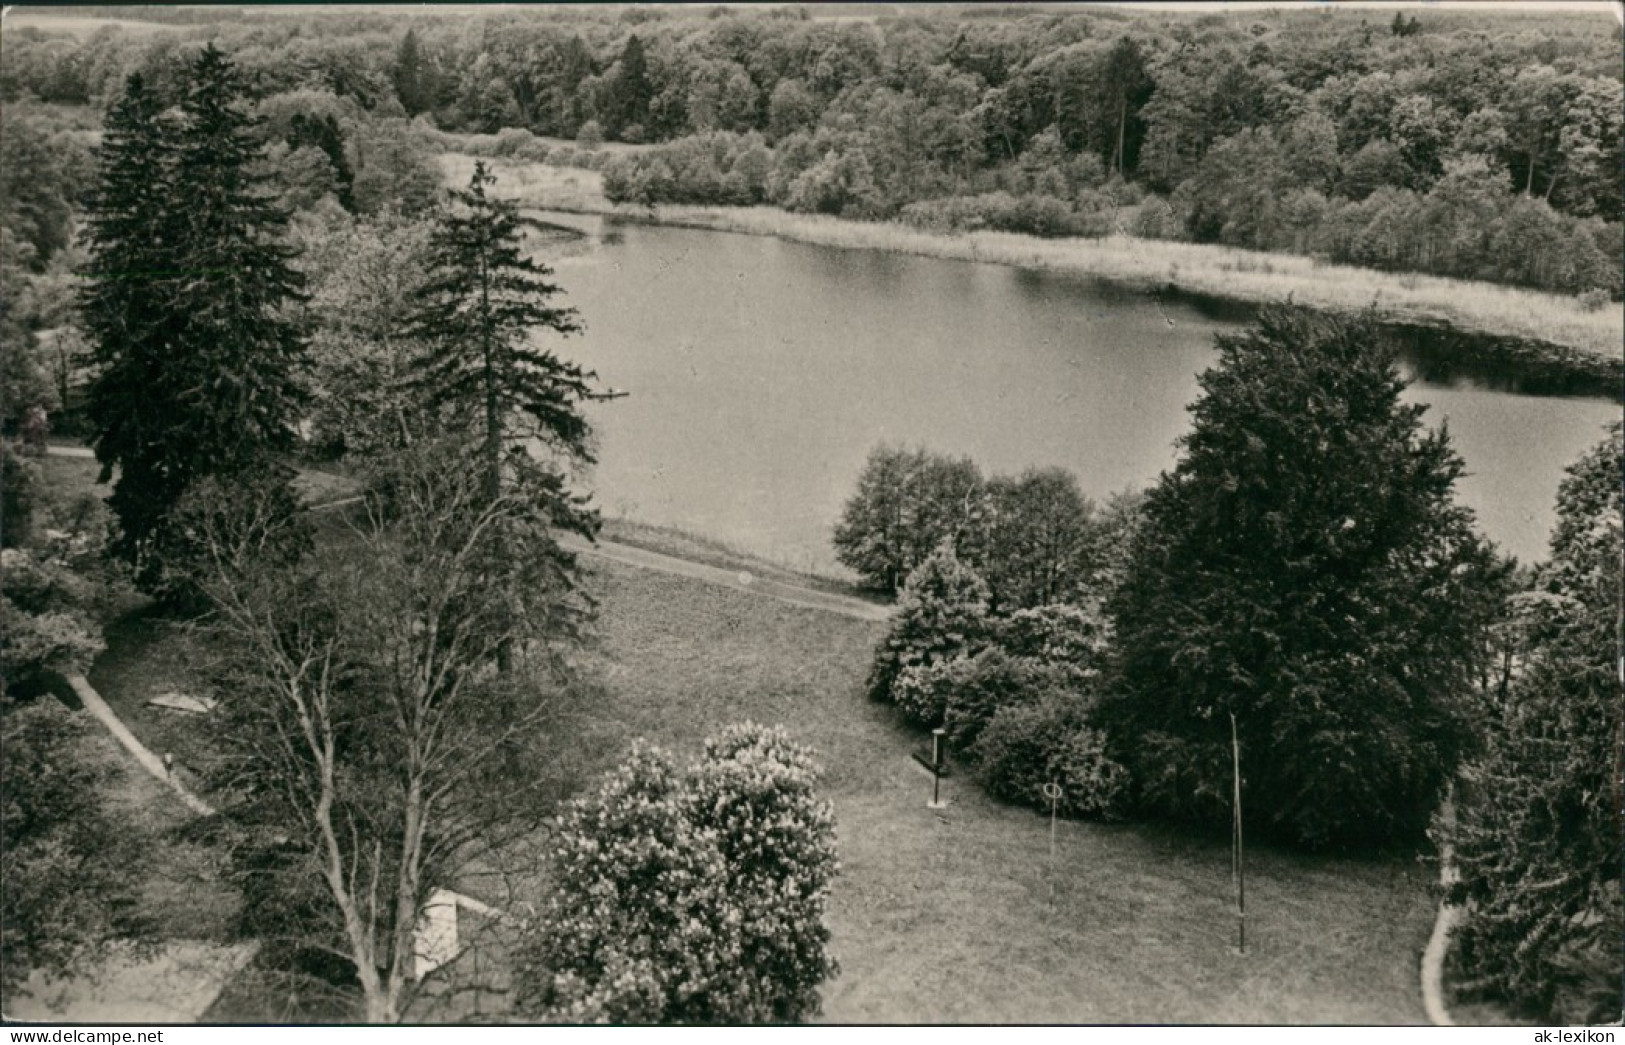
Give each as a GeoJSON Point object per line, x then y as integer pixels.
{"type": "Point", "coordinates": [1242, 275]}
{"type": "Point", "coordinates": [946, 915]}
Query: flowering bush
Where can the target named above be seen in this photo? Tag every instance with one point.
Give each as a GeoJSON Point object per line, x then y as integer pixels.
{"type": "Point", "coordinates": [753, 793]}
{"type": "Point", "coordinates": [640, 929]}
{"type": "Point", "coordinates": [694, 898]}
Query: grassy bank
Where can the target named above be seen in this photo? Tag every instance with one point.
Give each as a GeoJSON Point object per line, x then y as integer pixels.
{"type": "Point", "coordinates": [693, 547]}
{"type": "Point", "coordinates": [1223, 272]}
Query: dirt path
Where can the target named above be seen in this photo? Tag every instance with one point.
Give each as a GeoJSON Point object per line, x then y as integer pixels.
{"type": "Point", "coordinates": [154, 765]}
{"type": "Point", "coordinates": [175, 984]}
{"type": "Point", "coordinates": [738, 580]}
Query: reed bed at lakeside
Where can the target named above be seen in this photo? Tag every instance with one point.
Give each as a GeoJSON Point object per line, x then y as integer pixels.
{"type": "Point", "coordinates": [1223, 272]}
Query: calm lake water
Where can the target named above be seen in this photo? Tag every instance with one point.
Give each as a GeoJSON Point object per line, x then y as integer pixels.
{"type": "Point", "coordinates": [760, 374]}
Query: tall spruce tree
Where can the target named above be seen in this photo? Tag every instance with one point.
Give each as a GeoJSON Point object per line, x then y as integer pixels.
{"type": "Point", "coordinates": [124, 305]}
{"type": "Point", "coordinates": [1305, 568]}
{"type": "Point", "coordinates": [412, 76]}
{"type": "Point", "coordinates": [479, 312]}
{"type": "Point", "coordinates": [188, 298]}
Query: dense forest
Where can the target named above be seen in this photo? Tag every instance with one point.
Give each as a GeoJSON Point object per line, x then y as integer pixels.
{"type": "Point", "coordinates": [1463, 144]}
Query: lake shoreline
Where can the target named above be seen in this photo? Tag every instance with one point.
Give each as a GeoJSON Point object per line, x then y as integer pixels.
{"type": "Point", "coordinates": [1550, 328]}
{"type": "Point", "coordinates": [1196, 281]}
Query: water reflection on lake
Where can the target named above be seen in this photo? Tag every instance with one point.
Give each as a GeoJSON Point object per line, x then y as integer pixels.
{"type": "Point", "coordinates": [761, 372]}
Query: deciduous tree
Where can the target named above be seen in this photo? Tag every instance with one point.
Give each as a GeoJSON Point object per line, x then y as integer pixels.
{"type": "Point", "coordinates": [69, 868]}
{"type": "Point", "coordinates": [907, 501]}
{"type": "Point", "coordinates": [371, 753]}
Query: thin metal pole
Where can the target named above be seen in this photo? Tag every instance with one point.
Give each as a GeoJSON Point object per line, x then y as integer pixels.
{"type": "Point", "coordinates": [1053, 791]}
{"type": "Point", "coordinates": [1238, 857]}
{"type": "Point", "coordinates": [936, 767]}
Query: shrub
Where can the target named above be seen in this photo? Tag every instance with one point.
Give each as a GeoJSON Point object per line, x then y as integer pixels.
{"type": "Point", "coordinates": [943, 613]}
{"type": "Point", "coordinates": [1030, 214]}
{"type": "Point", "coordinates": [973, 689]}
{"type": "Point", "coordinates": [1027, 745]}
{"type": "Point", "coordinates": [1155, 218]}
{"type": "Point", "coordinates": [512, 141]}
{"type": "Point", "coordinates": [640, 928]}
{"type": "Point", "coordinates": [20, 483]}
{"type": "Point", "coordinates": [590, 135]}
{"type": "Point", "coordinates": [70, 869]}
{"type": "Point", "coordinates": [47, 622]}
{"type": "Point", "coordinates": [1028, 652]}
{"type": "Point", "coordinates": [689, 899]}
{"type": "Point", "coordinates": [1072, 637]}
{"type": "Point", "coordinates": [1594, 299]}
{"type": "Point", "coordinates": [961, 692]}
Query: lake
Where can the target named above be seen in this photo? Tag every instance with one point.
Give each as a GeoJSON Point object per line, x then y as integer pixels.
{"type": "Point", "coordinates": [761, 372]}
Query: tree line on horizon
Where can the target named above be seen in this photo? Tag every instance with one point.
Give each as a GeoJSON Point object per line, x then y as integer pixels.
{"type": "Point", "coordinates": [1475, 146]}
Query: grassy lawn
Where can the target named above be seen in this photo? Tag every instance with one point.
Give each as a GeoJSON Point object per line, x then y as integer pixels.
{"type": "Point", "coordinates": [938, 915]}
{"type": "Point", "coordinates": [69, 478]}
{"type": "Point", "coordinates": [946, 915]}
{"type": "Point", "coordinates": [181, 888]}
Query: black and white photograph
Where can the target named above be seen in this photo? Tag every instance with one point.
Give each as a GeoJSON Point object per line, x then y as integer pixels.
{"type": "Point", "coordinates": [1038, 514]}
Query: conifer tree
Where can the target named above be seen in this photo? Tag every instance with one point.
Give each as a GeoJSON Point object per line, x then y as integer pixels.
{"type": "Point", "coordinates": [1305, 568]}
{"type": "Point", "coordinates": [188, 296]}
{"type": "Point", "coordinates": [411, 76]}
{"type": "Point", "coordinates": [1537, 835]}
{"type": "Point", "coordinates": [479, 312]}
{"type": "Point", "coordinates": [130, 401]}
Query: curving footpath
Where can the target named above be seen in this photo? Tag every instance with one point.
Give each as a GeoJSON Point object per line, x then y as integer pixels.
{"type": "Point", "coordinates": [1444, 924]}
{"type": "Point", "coordinates": [104, 714]}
